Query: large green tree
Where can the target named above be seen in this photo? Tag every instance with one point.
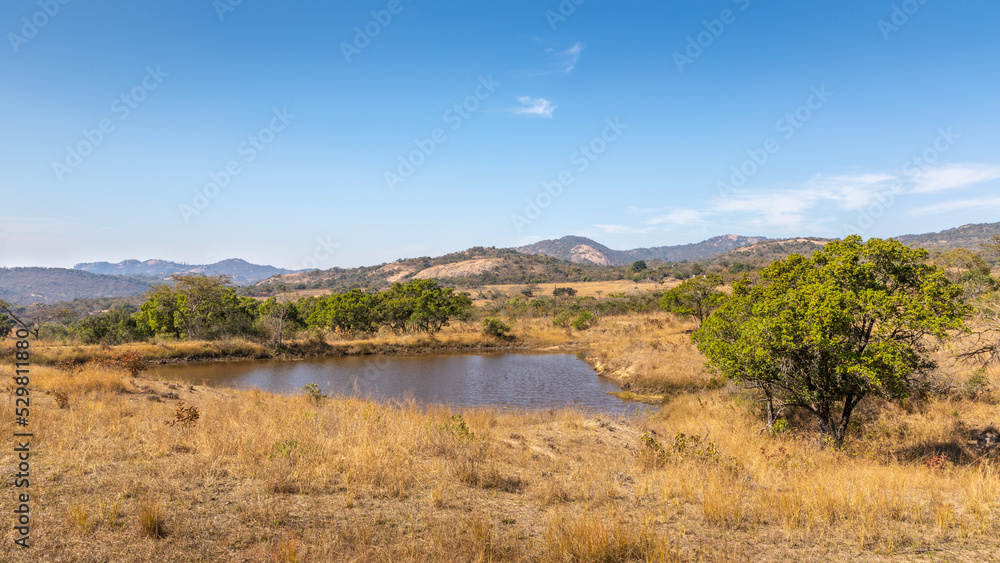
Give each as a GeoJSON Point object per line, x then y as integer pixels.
{"type": "Point", "coordinates": [821, 334]}
{"type": "Point", "coordinates": [197, 306]}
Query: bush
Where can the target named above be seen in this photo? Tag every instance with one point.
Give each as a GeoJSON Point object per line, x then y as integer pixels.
{"type": "Point", "coordinates": [567, 291]}
{"type": "Point", "coordinates": [496, 328]}
{"type": "Point", "coordinates": [313, 392]}
{"type": "Point", "coordinates": [585, 320]}
{"type": "Point", "coordinates": [562, 319]}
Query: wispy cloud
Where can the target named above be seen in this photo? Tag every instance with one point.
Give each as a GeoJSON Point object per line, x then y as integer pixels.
{"type": "Point", "coordinates": [535, 106]}
{"type": "Point", "coordinates": [684, 217]}
{"type": "Point", "coordinates": [953, 176]}
{"type": "Point", "coordinates": [817, 204]}
{"type": "Point", "coordinates": [947, 207]}
{"type": "Point", "coordinates": [572, 56]}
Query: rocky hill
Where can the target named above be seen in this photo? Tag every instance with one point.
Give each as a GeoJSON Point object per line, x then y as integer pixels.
{"type": "Point", "coordinates": [967, 236]}
{"type": "Point", "coordinates": [581, 249]}
{"type": "Point", "coordinates": [25, 286]}
{"type": "Point", "coordinates": [242, 272]}
{"type": "Point", "coordinates": [469, 268]}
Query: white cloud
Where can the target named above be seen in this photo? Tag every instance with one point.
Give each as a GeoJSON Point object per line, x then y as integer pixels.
{"type": "Point", "coordinates": [535, 106]}
{"type": "Point", "coordinates": [822, 202]}
{"type": "Point", "coordinates": [572, 57]}
{"type": "Point", "coordinates": [947, 207]}
{"type": "Point", "coordinates": [953, 176]}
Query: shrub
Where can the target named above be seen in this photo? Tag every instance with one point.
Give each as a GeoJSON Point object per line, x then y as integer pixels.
{"type": "Point", "coordinates": [313, 392]}
{"type": "Point", "coordinates": [562, 320]}
{"type": "Point", "coordinates": [496, 328]}
{"type": "Point", "coordinates": [585, 320]}
{"type": "Point", "coordinates": [185, 416]}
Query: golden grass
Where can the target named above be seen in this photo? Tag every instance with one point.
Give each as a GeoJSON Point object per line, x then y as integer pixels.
{"type": "Point", "coordinates": [584, 289]}
{"type": "Point", "coordinates": [264, 477]}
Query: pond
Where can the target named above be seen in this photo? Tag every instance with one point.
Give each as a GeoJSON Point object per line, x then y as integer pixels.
{"type": "Point", "coordinates": [520, 380]}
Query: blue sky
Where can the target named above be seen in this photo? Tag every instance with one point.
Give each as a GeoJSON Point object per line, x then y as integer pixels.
{"type": "Point", "coordinates": [329, 134]}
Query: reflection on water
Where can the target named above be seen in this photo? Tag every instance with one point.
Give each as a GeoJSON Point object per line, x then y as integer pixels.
{"type": "Point", "coordinates": [531, 381]}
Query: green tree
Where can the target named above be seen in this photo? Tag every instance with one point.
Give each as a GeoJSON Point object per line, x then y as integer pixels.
{"type": "Point", "coordinates": [110, 327]}
{"type": "Point", "coordinates": [197, 306]}
{"type": "Point", "coordinates": [422, 306]}
{"type": "Point", "coordinates": [277, 318]}
{"type": "Point", "coordinates": [6, 325]}
{"type": "Point", "coordinates": [354, 311]}
{"type": "Point", "coordinates": [496, 328]}
{"type": "Point", "coordinates": [33, 317]}
{"type": "Point", "coordinates": [821, 334]}
{"type": "Point", "coordinates": [637, 266]}
{"type": "Point", "coordinates": [968, 269]}
{"type": "Point", "coordinates": [696, 297]}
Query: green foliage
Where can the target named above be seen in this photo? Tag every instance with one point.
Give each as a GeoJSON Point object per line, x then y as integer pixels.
{"type": "Point", "coordinates": [112, 327]}
{"type": "Point", "coordinates": [419, 305]}
{"type": "Point", "coordinates": [354, 311]}
{"type": "Point", "coordinates": [423, 306]}
{"type": "Point", "coordinates": [567, 291]}
{"type": "Point", "coordinates": [496, 328]}
{"type": "Point", "coordinates": [637, 266]}
{"type": "Point", "coordinates": [969, 270]}
{"type": "Point", "coordinates": [458, 429]}
{"type": "Point", "coordinates": [685, 447]}
{"type": "Point", "coordinates": [696, 297]}
{"type": "Point", "coordinates": [196, 307]}
{"type": "Point", "coordinates": [821, 334]}
{"type": "Point", "coordinates": [6, 325]}
{"type": "Point", "coordinates": [313, 392]}
{"type": "Point", "coordinates": [562, 320]}
{"type": "Point", "coordinates": [584, 320]}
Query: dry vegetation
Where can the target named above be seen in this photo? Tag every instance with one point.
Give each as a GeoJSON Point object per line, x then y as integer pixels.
{"type": "Point", "coordinates": [140, 470]}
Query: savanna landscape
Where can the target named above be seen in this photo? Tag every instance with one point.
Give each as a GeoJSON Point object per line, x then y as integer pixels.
{"type": "Point", "coordinates": [130, 467]}
{"type": "Point", "coordinates": [569, 281]}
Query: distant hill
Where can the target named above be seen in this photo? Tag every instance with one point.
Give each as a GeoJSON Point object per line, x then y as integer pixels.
{"type": "Point", "coordinates": [966, 236]}
{"type": "Point", "coordinates": [469, 268]}
{"type": "Point", "coordinates": [25, 286]}
{"type": "Point", "coordinates": [581, 249]}
{"type": "Point", "coordinates": [242, 272]}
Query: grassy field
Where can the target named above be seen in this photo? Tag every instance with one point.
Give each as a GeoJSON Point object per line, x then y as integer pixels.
{"type": "Point", "coordinates": [584, 289]}
{"type": "Point", "coordinates": [123, 471]}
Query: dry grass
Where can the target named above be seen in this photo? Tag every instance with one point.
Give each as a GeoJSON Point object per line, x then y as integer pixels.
{"type": "Point", "coordinates": [263, 477]}
{"type": "Point", "coordinates": [583, 289]}
{"type": "Point", "coordinates": [649, 354]}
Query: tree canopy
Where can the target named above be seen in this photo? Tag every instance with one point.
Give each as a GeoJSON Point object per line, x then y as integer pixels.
{"type": "Point", "coordinates": [821, 334]}
{"type": "Point", "coordinates": [696, 297]}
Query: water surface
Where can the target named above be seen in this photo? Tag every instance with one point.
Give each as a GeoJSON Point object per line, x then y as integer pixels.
{"type": "Point", "coordinates": [521, 380]}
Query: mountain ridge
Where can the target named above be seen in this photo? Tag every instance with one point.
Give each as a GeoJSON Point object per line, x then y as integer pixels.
{"type": "Point", "coordinates": [242, 272]}
{"type": "Point", "coordinates": [578, 249]}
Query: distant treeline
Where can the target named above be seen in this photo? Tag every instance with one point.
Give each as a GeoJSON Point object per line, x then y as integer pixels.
{"type": "Point", "coordinates": [209, 308]}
